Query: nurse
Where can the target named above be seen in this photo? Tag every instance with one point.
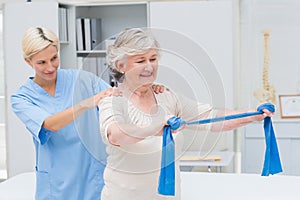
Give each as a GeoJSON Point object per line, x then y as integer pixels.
{"type": "Point", "coordinates": [52, 105]}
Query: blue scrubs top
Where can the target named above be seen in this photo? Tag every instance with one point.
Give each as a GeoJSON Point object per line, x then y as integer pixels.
{"type": "Point", "coordinates": [69, 162]}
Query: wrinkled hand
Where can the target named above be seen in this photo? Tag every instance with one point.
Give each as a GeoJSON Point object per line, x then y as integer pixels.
{"type": "Point", "coordinates": [266, 113]}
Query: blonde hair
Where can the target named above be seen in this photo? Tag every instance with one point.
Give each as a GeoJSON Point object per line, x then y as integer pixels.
{"type": "Point", "coordinates": [36, 39]}
{"type": "Point", "coordinates": [130, 42]}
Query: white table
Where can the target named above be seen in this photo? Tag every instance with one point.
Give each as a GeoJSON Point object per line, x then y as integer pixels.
{"type": "Point", "coordinates": [194, 186]}
{"type": "Point", "coordinates": [226, 159]}
{"type": "Point", "coordinates": [20, 187]}
{"type": "Point", "coordinates": [228, 186]}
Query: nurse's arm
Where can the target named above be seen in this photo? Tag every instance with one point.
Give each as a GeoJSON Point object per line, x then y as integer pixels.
{"type": "Point", "coordinates": [65, 117]}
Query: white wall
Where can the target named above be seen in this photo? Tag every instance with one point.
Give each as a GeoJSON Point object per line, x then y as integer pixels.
{"type": "Point", "coordinates": [197, 59]}
{"type": "Point", "coordinates": [282, 19]}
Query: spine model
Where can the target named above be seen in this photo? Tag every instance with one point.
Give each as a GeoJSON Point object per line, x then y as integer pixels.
{"type": "Point", "coordinates": [267, 93]}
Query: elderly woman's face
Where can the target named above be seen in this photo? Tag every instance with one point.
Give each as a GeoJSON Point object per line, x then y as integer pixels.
{"type": "Point", "coordinates": [141, 70]}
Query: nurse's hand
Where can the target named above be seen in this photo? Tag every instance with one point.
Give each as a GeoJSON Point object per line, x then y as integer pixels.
{"type": "Point", "coordinates": [93, 101]}
{"type": "Point", "coordinates": [159, 88]}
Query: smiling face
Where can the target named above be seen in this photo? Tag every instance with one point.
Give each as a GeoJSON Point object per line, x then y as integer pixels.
{"type": "Point", "coordinates": [140, 70]}
{"type": "Point", "coordinates": [45, 63]}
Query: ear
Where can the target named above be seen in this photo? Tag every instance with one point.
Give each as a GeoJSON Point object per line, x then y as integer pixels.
{"type": "Point", "coordinates": [28, 61]}
{"type": "Point", "coordinates": [121, 66]}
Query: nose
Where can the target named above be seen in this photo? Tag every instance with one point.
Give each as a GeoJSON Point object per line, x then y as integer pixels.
{"type": "Point", "coordinates": [50, 66]}
{"type": "Point", "coordinates": [148, 66]}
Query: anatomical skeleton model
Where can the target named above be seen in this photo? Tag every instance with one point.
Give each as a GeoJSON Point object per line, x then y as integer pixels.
{"type": "Point", "coordinates": [267, 93]}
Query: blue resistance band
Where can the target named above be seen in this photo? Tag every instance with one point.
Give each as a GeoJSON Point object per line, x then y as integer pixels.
{"type": "Point", "coordinates": [272, 164]}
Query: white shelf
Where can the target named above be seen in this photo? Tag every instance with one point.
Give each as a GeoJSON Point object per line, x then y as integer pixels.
{"type": "Point", "coordinates": [63, 42]}
{"type": "Point", "coordinates": [108, 3]}
{"type": "Point", "coordinates": [93, 53]}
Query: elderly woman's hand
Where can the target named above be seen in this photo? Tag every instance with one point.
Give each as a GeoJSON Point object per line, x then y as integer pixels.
{"type": "Point", "coordinates": [266, 113]}
{"type": "Point", "coordinates": [177, 130]}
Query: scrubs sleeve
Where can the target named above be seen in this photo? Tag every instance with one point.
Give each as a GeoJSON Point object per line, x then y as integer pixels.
{"type": "Point", "coordinates": [32, 116]}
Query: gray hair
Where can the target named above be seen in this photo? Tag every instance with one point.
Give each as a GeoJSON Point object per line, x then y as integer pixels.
{"type": "Point", "coordinates": [130, 42]}
{"type": "Point", "coordinates": [36, 39]}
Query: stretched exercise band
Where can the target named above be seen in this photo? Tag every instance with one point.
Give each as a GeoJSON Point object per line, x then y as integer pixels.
{"type": "Point", "coordinates": [272, 163]}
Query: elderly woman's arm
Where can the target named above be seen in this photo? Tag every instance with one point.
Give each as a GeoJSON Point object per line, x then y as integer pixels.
{"type": "Point", "coordinates": [236, 123]}
{"type": "Point", "coordinates": [118, 128]}
{"type": "Point", "coordinates": [191, 110]}
{"type": "Point", "coordinates": [123, 134]}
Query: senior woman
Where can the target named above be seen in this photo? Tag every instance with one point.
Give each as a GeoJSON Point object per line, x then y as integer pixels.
{"type": "Point", "coordinates": [132, 124]}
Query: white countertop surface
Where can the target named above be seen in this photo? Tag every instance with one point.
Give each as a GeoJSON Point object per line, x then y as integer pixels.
{"type": "Point", "coordinates": [194, 186]}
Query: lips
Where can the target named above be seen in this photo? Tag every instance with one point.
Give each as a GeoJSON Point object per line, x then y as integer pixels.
{"type": "Point", "coordinates": [146, 75]}
{"type": "Point", "coordinates": [50, 73]}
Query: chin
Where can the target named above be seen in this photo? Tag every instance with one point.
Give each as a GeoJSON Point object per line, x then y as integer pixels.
{"type": "Point", "coordinates": [147, 83]}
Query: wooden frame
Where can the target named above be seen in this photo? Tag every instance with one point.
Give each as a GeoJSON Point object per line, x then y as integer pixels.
{"type": "Point", "coordinates": [289, 106]}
